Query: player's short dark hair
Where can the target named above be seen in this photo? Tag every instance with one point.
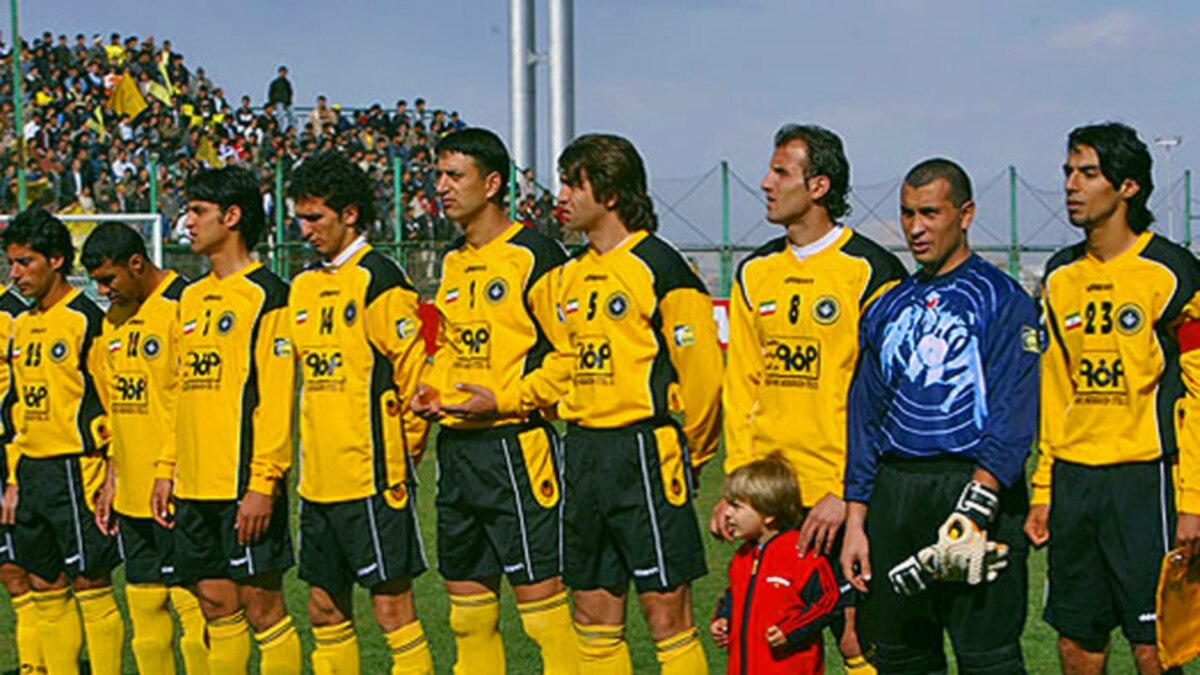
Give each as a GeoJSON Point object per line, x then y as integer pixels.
{"type": "Point", "coordinates": [826, 157]}
{"type": "Point", "coordinates": [487, 151]}
{"type": "Point", "coordinates": [769, 486]}
{"type": "Point", "coordinates": [1123, 156]}
{"type": "Point", "coordinates": [940, 168]}
{"type": "Point", "coordinates": [337, 180]}
{"type": "Point", "coordinates": [232, 186]}
{"type": "Point", "coordinates": [615, 169]}
{"type": "Point", "coordinates": [114, 242]}
{"type": "Point", "coordinates": [38, 229]}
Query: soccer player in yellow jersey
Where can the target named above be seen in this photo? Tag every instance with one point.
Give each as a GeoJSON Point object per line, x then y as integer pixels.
{"type": "Point", "coordinates": [1119, 406]}
{"type": "Point", "coordinates": [499, 496]}
{"type": "Point", "coordinates": [355, 338]}
{"type": "Point", "coordinates": [12, 575]}
{"type": "Point", "coordinates": [639, 345]}
{"type": "Point", "coordinates": [793, 337]}
{"type": "Point", "coordinates": [233, 440]}
{"type": "Point", "coordinates": [60, 441]}
{"type": "Point", "coordinates": [139, 383]}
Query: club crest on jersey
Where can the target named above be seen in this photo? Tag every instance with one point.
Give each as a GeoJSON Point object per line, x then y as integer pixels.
{"type": "Point", "coordinates": [58, 350]}
{"type": "Point", "coordinates": [1031, 340]}
{"type": "Point", "coordinates": [826, 310]}
{"type": "Point", "coordinates": [496, 290]}
{"type": "Point", "coordinates": [225, 323]}
{"type": "Point", "coordinates": [451, 295]}
{"type": "Point", "coordinates": [350, 313]}
{"type": "Point", "coordinates": [767, 308]}
{"type": "Point", "coordinates": [1072, 321]}
{"type": "Point", "coordinates": [114, 345]}
{"type": "Point", "coordinates": [1130, 319]}
{"type": "Point", "coordinates": [405, 329]}
{"type": "Point", "coordinates": [685, 336]}
{"type": "Point", "coordinates": [617, 305]}
{"type": "Point", "coordinates": [151, 347]}
{"type": "Point", "coordinates": [301, 316]}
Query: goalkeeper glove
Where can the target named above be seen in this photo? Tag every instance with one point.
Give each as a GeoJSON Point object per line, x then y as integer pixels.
{"type": "Point", "coordinates": [913, 575]}
{"type": "Point", "coordinates": [962, 539]}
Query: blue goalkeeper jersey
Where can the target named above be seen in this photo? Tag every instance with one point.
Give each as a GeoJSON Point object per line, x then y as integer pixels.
{"type": "Point", "coordinates": [948, 368]}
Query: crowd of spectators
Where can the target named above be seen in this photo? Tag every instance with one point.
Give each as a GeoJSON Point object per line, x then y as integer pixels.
{"type": "Point", "coordinates": [92, 138]}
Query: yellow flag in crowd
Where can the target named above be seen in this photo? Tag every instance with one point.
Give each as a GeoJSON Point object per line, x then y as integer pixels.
{"type": "Point", "coordinates": [126, 99]}
{"type": "Point", "coordinates": [160, 92]}
{"type": "Point", "coordinates": [96, 123]}
{"type": "Point", "coordinates": [207, 154]}
{"type": "Point", "coordinates": [166, 77]}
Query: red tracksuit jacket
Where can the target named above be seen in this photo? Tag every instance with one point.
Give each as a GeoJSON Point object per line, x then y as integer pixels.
{"type": "Point", "coordinates": [773, 586]}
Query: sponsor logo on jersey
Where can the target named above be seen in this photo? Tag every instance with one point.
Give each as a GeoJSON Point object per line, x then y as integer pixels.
{"type": "Point", "coordinates": [792, 361]}
{"type": "Point", "coordinates": [617, 305]}
{"type": "Point", "coordinates": [282, 347]}
{"type": "Point", "coordinates": [350, 313]}
{"type": "Point", "coordinates": [151, 347]}
{"type": "Point", "coordinates": [684, 336]}
{"type": "Point", "coordinates": [451, 295]}
{"type": "Point", "coordinates": [1101, 372]}
{"type": "Point", "coordinates": [225, 323]}
{"type": "Point", "coordinates": [301, 316]}
{"type": "Point", "coordinates": [496, 290]}
{"type": "Point", "coordinates": [58, 350]}
{"type": "Point", "coordinates": [767, 308]}
{"type": "Point", "coordinates": [1130, 319]}
{"type": "Point", "coordinates": [1073, 321]}
{"type": "Point", "coordinates": [826, 310]}
{"type": "Point", "coordinates": [778, 582]}
{"type": "Point", "coordinates": [405, 328]}
{"type": "Point", "coordinates": [189, 327]}
{"type": "Point", "coordinates": [1031, 340]}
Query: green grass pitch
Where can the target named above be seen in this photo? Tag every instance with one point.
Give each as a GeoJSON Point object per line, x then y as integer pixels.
{"type": "Point", "coordinates": [1038, 639]}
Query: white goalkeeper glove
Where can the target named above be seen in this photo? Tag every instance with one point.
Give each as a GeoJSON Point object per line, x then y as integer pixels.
{"type": "Point", "coordinates": [913, 575]}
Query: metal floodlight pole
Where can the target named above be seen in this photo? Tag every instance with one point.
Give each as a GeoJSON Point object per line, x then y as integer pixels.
{"type": "Point", "coordinates": [1169, 143]}
{"type": "Point", "coordinates": [562, 79]}
{"type": "Point", "coordinates": [1014, 244]}
{"type": "Point", "coordinates": [1187, 209]}
{"type": "Point", "coordinates": [522, 93]}
{"type": "Point", "coordinates": [18, 78]}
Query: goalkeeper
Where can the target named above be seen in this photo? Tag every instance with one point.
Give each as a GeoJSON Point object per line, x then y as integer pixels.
{"type": "Point", "coordinates": [942, 413]}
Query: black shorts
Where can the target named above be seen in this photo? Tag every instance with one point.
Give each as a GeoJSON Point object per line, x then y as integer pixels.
{"type": "Point", "coordinates": [148, 550]}
{"type": "Point", "coordinates": [628, 510]}
{"type": "Point", "coordinates": [1110, 527]}
{"type": "Point", "coordinates": [56, 529]}
{"type": "Point", "coordinates": [499, 505]}
{"type": "Point", "coordinates": [368, 541]}
{"type": "Point", "coordinates": [911, 500]}
{"type": "Point", "coordinates": [206, 544]}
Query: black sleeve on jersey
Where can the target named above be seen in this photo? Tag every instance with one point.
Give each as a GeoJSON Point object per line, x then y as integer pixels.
{"type": "Point", "coordinates": [11, 304]}
{"type": "Point", "coordinates": [175, 290]}
{"type": "Point", "coordinates": [274, 288]}
{"type": "Point", "coordinates": [90, 407]}
{"type": "Point", "coordinates": [1063, 257]}
{"type": "Point", "coordinates": [547, 253]}
{"type": "Point", "coordinates": [770, 248]}
{"type": "Point", "coordinates": [1183, 265]}
{"type": "Point", "coordinates": [385, 274]}
{"type": "Point", "coordinates": [885, 266]}
{"type": "Point", "coordinates": [671, 270]}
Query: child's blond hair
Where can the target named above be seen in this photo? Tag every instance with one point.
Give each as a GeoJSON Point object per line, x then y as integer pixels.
{"type": "Point", "coordinates": [769, 486]}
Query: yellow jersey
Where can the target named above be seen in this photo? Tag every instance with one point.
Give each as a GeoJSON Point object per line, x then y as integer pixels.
{"type": "Point", "coordinates": [1121, 372]}
{"type": "Point", "coordinates": [793, 346]}
{"type": "Point", "coordinates": [495, 308]}
{"type": "Point", "coordinates": [11, 305]}
{"type": "Point", "coordinates": [233, 429]}
{"type": "Point", "coordinates": [139, 385]}
{"type": "Point", "coordinates": [637, 341]}
{"type": "Point", "coordinates": [356, 338]}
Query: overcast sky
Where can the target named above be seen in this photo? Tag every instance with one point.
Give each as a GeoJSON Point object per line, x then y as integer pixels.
{"type": "Point", "coordinates": [693, 82]}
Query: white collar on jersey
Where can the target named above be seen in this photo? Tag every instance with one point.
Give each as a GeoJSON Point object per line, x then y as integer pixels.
{"type": "Point", "coordinates": [354, 247]}
{"type": "Point", "coordinates": [809, 250]}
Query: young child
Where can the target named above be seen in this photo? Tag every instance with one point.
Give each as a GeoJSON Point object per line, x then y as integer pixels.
{"type": "Point", "coordinates": [771, 615]}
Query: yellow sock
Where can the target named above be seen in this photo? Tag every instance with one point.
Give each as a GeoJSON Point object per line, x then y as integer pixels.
{"type": "Point", "coordinates": [59, 629]}
{"type": "Point", "coordinates": [682, 654]}
{"type": "Point", "coordinates": [548, 623]}
{"type": "Point", "coordinates": [104, 628]}
{"type": "Point", "coordinates": [603, 650]}
{"type": "Point", "coordinates": [153, 630]}
{"type": "Point", "coordinates": [475, 620]}
{"type": "Point", "coordinates": [29, 642]}
{"type": "Point", "coordinates": [410, 650]}
{"type": "Point", "coordinates": [337, 650]}
{"type": "Point", "coordinates": [191, 634]}
{"type": "Point", "coordinates": [229, 644]}
{"type": "Point", "coordinates": [858, 665]}
{"type": "Point", "coordinates": [279, 647]}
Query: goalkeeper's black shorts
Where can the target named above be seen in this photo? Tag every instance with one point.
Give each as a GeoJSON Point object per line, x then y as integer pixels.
{"type": "Point", "coordinates": [1110, 527]}
{"type": "Point", "coordinates": [911, 500]}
